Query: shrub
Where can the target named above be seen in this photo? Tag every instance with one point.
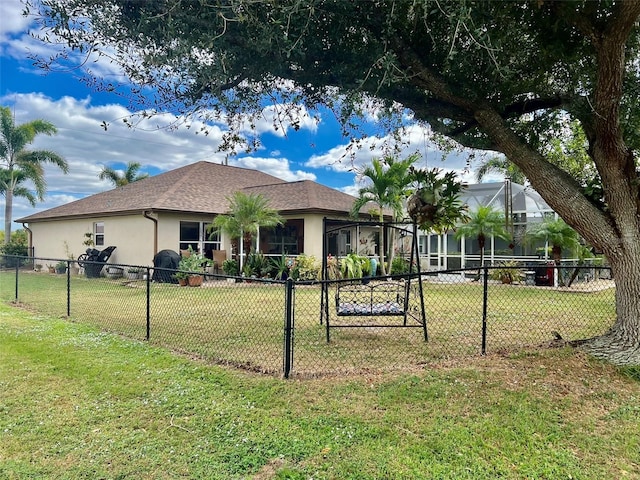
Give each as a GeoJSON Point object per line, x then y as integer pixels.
{"type": "Point", "coordinates": [14, 248]}
{"type": "Point", "coordinates": [355, 266]}
{"type": "Point", "coordinates": [507, 272]}
{"type": "Point", "coordinates": [305, 268]}
{"type": "Point", "coordinates": [230, 267]}
{"type": "Point", "coordinates": [399, 266]}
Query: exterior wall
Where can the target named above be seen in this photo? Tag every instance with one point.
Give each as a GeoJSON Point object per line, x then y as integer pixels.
{"type": "Point", "coordinates": [313, 235]}
{"type": "Point", "coordinates": [132, 235]}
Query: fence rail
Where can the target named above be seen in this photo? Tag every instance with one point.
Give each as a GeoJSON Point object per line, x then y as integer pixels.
{"type": "Point", "coordinates": [282, 328]}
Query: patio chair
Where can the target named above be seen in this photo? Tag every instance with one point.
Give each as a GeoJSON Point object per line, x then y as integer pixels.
{"type": "Point", "coordinates": [219, 256]}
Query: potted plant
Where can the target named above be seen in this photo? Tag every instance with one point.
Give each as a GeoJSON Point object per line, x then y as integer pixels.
{"type": "Point", "coordinates": [182, 278]}
{"type": "Point", "coordinates": [61, 267]}
{"type": "Point", "coordinates": [88, 239]}
{"type": "Point", "coordinates": [193, 264]}
{"type": "Point", "coordinates": [51, 268]}
{"type": "Point", "coordinates": [333, 268]}
{"type": "Point", "coordinates": [435, 204]}
{"type": "Point", "coordinates": [114, 272]}
{"type": "Point", "coordinates": [37, 267]}
{"type": "Point", "coordinates": [132, 273]}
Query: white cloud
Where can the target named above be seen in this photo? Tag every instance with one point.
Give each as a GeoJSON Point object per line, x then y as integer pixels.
{"type": "Point", "coordinates": [87, 147]}
{"type": "Point", "coordinates": [12, 19]}
{"type": "Point", "coordinates": [278, 167]}
{"type": "Point", "coordinates": [415, 139]}
{"type": "Point", "coordinates": [275, 119]}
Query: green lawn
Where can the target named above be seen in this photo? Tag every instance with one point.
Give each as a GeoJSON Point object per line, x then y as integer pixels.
{"type": "Point", "coordinates": [242, 324]}
{"type": "Point", "coordinates": [79, 403]}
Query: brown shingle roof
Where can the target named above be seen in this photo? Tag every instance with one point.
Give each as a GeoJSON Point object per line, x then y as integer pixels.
{"type": "Point", "coordinates": [303, 195]}
{"type": "Point", "coordinates": [199, 187]}
{"type": "Point", "coordinates": [202, 187]}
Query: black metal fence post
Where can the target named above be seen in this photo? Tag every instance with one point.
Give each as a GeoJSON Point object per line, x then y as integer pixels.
{"type": "Point", "coordinates": [68, 288]}
{"type": "Point", "coordinates": [485, 296]}
{"type": "Point", "coordinates": [148, 283]}
{"type": "Point", "coordinates": [288, 328]}
{"type": "Point", "coordinates": [17, 270]}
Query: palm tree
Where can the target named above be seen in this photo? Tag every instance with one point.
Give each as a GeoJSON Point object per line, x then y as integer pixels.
{"type": "Point", "coordinates": [556, 233]}
{"type": "Point", "coordinates": [502, 166]}
{"type": "Point", "coordinates": [247, 213]}
{"type": "Point", "coordinates": [20, 164]}
{"type": "Point", "coordinates": [130, 174]}
{"type": "Point", "coordinates": [485, 222]}
{"type": "Point", "coordinates": [387, 189]}
{"type": "Point", "coordinates": [19, 190]}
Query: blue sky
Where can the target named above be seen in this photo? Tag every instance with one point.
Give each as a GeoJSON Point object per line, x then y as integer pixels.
{"type": "Point", "coordinates": [314, 152]}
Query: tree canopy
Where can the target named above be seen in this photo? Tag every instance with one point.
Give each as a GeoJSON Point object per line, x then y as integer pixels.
{"type": "Point", "coordinates": [387, 186]}
{"type": "Point", "coordinates": [19, 165]}
{"type": "Point", "coordinates": [247, 213]}
{"type": "Point", "coordinates": [120, 179]}
{"type": "Point", "coordinates": [502, 76]}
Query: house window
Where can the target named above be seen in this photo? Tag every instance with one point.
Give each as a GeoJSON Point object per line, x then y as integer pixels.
{"type": "Point", "coordinates": [196, 236]}
{"type": "Point", "coordinates": [340, 243]}
{"type": "Point", "coordinates": [284, 239]}
{"type": "Point", "coordinates": [98, 234]}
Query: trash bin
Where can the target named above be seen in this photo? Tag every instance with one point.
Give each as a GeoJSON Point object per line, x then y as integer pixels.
{"type": "Point", "coordinates": [530, 277]}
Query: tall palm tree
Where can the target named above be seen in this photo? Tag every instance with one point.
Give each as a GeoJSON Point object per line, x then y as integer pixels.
{"type": "Point", "coordinates": [20, 164]}
{"type": "Point", "coordinates": [502, 166]}
{"type": "Point", "coordinates": [485, 222]}
{"type": "Point", "coordinates": [556, 233]}
{"type": "Point", "coordinates": [19, 190]}
{"type": "Point", "coordinates": [247, 213]}
{"type": "Point", "coordinates": [130, 175]}
{"type": "Point", "coordinates": [389, 180]}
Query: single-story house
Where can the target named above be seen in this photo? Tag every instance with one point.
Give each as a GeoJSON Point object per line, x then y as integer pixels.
{"type": "Point", "coordinates": [173, 210]}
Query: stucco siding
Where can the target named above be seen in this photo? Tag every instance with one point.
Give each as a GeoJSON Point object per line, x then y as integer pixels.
{"type": "Point", "coordinates": [132, 235]}
{"type": "Point", "coordinates": [313, 235]}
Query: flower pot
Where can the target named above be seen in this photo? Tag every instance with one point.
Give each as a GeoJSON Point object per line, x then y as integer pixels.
{"type": "Point", "coordinates": [195, 280]}
{"type": "Point", "coordinates": [114, 272]}
{"type": "Point", "coordinates": [182, 282]}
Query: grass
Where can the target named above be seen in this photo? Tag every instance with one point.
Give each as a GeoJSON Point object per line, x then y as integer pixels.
{"type": "Point", "coordinates": [80, 403]}
{"type": "Point", "coordinates": [242, 324]}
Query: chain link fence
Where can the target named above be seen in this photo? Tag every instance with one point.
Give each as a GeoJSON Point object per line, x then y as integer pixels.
{"type": "Point", "coordinates": [324, 328]}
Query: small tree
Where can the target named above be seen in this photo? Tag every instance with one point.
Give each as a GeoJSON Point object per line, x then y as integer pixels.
{"type": "Point", "coordinates": [485, 222]}
{"type": "Point", "coordinates": [556, 233]}
{"type": "Point", "coordinates": [247, 213]}
{"type": "Point", "coordinates": [388, 180]}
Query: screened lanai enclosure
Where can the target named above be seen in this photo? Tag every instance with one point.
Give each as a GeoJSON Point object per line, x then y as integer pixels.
{"type": "Point", "coordinates": [522, 207]}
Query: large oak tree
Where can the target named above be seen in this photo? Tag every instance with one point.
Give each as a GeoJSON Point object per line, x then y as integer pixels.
{"type": "Point", "coordinates": [504, 76]}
